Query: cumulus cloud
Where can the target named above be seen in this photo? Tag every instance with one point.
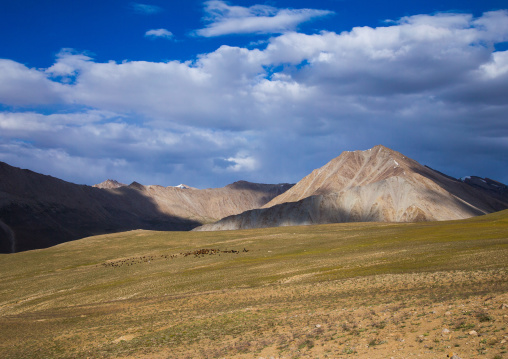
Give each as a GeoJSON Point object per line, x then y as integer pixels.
{"type": "Point", "coordinates": [69, 65]}
{"type": "Point", "coordinates": [155, 33]}
{"type": "Point", "coordinates": [239, 163]}
{"type": "Point", "coordinates": [145, 8]}
{"type": "Point", "coordinates": [425, 85]}
{"type": "Point", "coordinates": [109, 146]}
{"type": "Point", "coordinates": [497, 67]}
{"type": "Point", "coordinates": [20, 85]}
{"type": "Point", "coordinates": [226, 19]}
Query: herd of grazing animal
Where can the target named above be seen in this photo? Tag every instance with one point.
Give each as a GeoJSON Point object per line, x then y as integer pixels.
{"type": "Point", "coordinates": [148, 259]}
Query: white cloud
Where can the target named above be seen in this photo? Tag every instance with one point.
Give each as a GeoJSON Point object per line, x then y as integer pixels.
{"type": "Point", "coordinates": [22, 123]}
{"type": "Point", "coordinates": [108, 146]}
{"type": "Point", "coordinates": [159, 33]}
{"type": "Point", "coordinates": [20, 85]}
{"type": "Point", "coordinates": [273, 114]}
{"type": "Point", "coordinates": [242, 162]}
{"type": "Point", "coordinates": [145, 8]}
{"type": "Point", "coordinates": [226, 19]}
{"type": "Point", "coordinates": [497, 67]}
{"type": "Point", "coordinates": [494, 22]}
{"type": "Point", "coordinates": [69, 64]}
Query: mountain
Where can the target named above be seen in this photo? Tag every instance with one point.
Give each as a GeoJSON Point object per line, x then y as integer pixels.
{"type": "Point", "coordinates": [109, 184]}
{"type": "Point", "coordinates": [212, 204]}
{"type": "Point", "coordinates": [379, 185]}
{"type": "Point", "coordinates": [38, 211]}
{"type": "Point", "coordinates": [488, 184]}
{"type": "Point", "coordinates": [184, 186]}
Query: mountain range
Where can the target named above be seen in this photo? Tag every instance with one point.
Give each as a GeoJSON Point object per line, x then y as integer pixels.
{"type": "Point", "coordinates": [378, 184]}
{"type": "Point", "coordinates": [38, 211]}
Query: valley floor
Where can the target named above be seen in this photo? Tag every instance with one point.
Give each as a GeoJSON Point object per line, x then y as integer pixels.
{"type": "Point", "coordinates": [423, 315]}
{"type": "Point", "coordinates": [325, 296]}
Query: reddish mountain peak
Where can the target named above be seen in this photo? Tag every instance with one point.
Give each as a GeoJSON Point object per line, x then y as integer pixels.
{"type": "Point", "coordinates": [351, 169]}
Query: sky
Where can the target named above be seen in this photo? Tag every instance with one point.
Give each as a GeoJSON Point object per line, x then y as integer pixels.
{"type": "Point", "coordinates": [206, 93]}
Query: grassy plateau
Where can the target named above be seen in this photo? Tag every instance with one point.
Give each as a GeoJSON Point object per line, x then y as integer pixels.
{"type": "Point", "coordinates": [367, 290]}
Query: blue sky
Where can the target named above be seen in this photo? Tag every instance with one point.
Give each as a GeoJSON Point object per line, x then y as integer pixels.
{"type": "Point", "coordinates": [210, 92]}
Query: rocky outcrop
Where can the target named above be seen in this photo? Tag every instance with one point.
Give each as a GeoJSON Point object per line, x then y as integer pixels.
{"type": "Point", "coordinates": [377, 185]}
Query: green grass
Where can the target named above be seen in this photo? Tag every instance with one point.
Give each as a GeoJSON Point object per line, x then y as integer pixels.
{"type": "Point", "coordinates": [63, 302]}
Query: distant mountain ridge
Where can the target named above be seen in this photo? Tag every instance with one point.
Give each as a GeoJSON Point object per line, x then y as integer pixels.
{"type": "Point", "coordinates": [378, 184]}
{"type": "Point", "coordinates": [38, 211]}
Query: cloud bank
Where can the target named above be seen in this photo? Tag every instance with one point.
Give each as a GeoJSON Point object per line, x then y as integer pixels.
{"type": "Point", "coordinates": [431, 86]}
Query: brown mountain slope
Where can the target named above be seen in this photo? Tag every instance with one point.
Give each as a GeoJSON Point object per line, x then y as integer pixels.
{"type": "Point", "coordinates": [38, 211]}
{"type": "Point", "coordinates": [374, 185]}
{"type": "Point", "coordinates": [212, 204]}
{"type": "Point", "coordinates": [350, 169]}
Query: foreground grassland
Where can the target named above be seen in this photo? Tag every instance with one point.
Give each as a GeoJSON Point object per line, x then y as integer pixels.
{"type": "Point", "coordinates": [329, 291]}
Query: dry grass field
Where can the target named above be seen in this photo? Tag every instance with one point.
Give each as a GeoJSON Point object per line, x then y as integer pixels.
{"type": "Point", "coordinates": [370, 290]}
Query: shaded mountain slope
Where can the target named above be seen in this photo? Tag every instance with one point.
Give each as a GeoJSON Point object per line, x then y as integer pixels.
{"type": "Point", "coordinates": [375, 185]}
{"type": "Point", "coordinates": [209, 205]}
{"type": "Point", "coordinates": [38, 211]}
